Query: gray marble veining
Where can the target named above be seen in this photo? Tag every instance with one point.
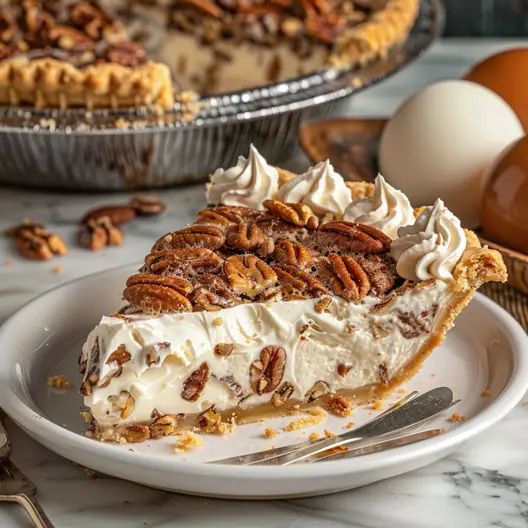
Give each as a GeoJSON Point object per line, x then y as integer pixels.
{"type": "Point", "coordinates": [484, 484]}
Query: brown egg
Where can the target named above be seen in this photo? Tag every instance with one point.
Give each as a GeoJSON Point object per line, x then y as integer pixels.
{"type": "Point", "coordinates": [506, 74]}
{"type": "Point", "coordinates": [504, 212]}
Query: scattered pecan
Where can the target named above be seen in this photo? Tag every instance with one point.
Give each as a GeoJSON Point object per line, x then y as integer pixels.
{"type": "Point", "coordinates": [126, 53]}
{"type": "Point", "coordinates": [293, 254]}
{"type": "Point", "coordinates": [124, 403]}
{"type": "Point", "coordinates": [195, 383]}
{"type": "Point", "coordinates": [352, 237]}
{"type": "Point", "coordinates": [35, 242]}
{"type": "Point", "coordinates": [146, 205]}
{"type": "Point", "coordinates": [249, 275]}
{"type": "Point", "coordinates": [282, 394]}
{"type": "Point", "coordinates": [340, 406]}
{"type": "Point", "coordinates": [209, 421]}
{"type": "Point", "coordinates": [224, 215]}
{"type": "Point", "coordinates": [294, 213]}
{"type": "Point", "coordinates": [266, 372]}
{"type": "Point", "coordinates": [158, 294]}
{"type": "Point", "coordinates": [196, 235]}
{"type": "Point", "coordinates": [97, 234]}
{"type": "Point", "coordinates": [90, 18]}
{"type": "Point", "coordinates": [69, 38]}
{"type": "Point", "coordinates": [384, 305]}
{"type": "Point", "coordinates": [119, 356]}
{"type": "Point", "coordinates": [323, 304]}
{"type": "Point", "coordinates": [223, 349]}
{"type": "Point", "coordinates": [117, 214]}
{"type": "Point", "coordinates": [164, 425]}
{"type": "Point", "coordinates": [350, 281]}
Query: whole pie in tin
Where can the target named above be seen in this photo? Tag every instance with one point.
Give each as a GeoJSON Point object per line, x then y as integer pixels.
{"type": "Point", "coordinates": [63, 53]}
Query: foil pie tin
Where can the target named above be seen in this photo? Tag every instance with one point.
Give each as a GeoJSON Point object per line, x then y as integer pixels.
{"type": "Point", "coordinates": [124, 150]}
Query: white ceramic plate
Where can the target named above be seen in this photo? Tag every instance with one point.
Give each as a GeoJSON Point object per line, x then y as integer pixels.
{"type": "Point", "coordinates": [487, 349]}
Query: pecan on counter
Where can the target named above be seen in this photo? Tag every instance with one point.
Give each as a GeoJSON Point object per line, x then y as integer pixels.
{"type": "Point", "coordinates": [34, 241]}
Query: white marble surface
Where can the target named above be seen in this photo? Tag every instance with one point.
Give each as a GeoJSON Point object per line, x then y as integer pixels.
{"type": "Point", "coordinates": [484, 484]}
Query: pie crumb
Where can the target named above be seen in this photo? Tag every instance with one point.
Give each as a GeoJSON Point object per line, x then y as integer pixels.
{"type": "Point", "coordinates": [350, 425]}
{"type": "Point", "coordinates": [340, 406]}
{"type": "Point", "coordinates": [377, 405]}
{"type": "Point", "coordinates": [59, 382]}
{"type": "Point", "coordinates": [58, 269]}
{"type": "Point", "coordinates": [328, 433]}
{"type": "Point", "coordinates": [485, 393]}
{"type": "Point", "coordinates": [269, 432]}
{"type": "Point", "coordinates": [314, 436]}
{"type": "Point", "coordinates": [315, 416]}
{"type": "Point", "coordinates": [8, 262]}
{"type": "Point", "coordinates": [456, 417]}
{"type": "Point", "coordinates": [187, 442]}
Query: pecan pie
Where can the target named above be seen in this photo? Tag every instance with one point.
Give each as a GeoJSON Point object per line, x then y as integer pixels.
{"type": "Point", "coordinates": [99, 53]}
{"type": "Point", "coordinates": [329, 312]}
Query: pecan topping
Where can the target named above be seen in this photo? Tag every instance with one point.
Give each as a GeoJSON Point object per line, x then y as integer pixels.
{"type": "Point", "coordinates": [89, 17]}
{"type": "Point", "coordinates": [293, 254]}
{"type": "Point", "coordinates": [119, 356]}
{"type": "Point", "coordinates": [352, 237]}
{"type": "Point", "coordinates": [117, 214]}
{"type": "Point", "coordinates": [195, 383]}
{"type": "Point", "coordinates": [350, 282]}
{"type": "Point", "coordinates": [293, 280]}
{"type": "Point", "coordinates": [126, 53]}
{"type": "Point", "coordinates": [187, 260]}
{"type": "Point", "coordinates": [157, 294]}
{"type": "Point", "coordinates": [69, 38]}
{"type": "Point", "coordinates": [223, 349]}
{"type": "Point", "coordinates": [146, 205]}
{"type": "Point", "coordinates": [249, 275]}
{"type": "Point", "coordinates": [245, 237]}
{"type": "Point", "coordinates": [214, 295]}
{"type": "Point", "coordinates": [35, 242]}
{"type": "Point", "coordinates": [293, 213]}
{"type": "Point", "coordinates": [205, 6]}
{"type": "Point", "coordinates": [98, 233]}
{"type": "Point", "coordinates": [196, 235]}
{"type": "Point", "coordinates": [266, 373]}
{"type": "Point", "coordinates": [224, 216]}
{"type": "Point", "coordinates": [282, 394]}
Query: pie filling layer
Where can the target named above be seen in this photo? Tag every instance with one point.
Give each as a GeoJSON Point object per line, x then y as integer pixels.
{"type": "Point", "coordinates": [250, 310]}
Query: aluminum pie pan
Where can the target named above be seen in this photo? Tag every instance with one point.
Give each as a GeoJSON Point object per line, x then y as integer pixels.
{"type": "Point", "coordinates": [131, 149]}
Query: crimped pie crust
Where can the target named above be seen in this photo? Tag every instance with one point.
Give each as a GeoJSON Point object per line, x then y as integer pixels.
{"type": "Point", "coordinates": [54, 83]}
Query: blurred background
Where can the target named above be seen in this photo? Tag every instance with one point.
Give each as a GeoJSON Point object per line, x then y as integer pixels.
{"type": "Point", "coordinates": [487, 18]}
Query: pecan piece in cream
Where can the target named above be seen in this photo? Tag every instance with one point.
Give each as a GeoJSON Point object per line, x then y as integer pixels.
{"type": "Point", "coordinates": [157, 294]}
{"type": "Point", "coordinates": [351, 237]}
{"type": "Point", "coordinates": [249, 275]}
{"type": "Point", "coordinates": [266, 373]}
{"type": "Point", "coordinates": [350, 281]}
{"type": "Point", "coordinates": [195, 383]}
{"type": "Point", "coordinates": [282, 394]}
{"type": "Point", "coordinates": [294, 213]}
{"type": "Point", "coordinates": [196, 235]}
{"type": "Point", "coordinates": [120, 356]}
{"type": "Point", "coordinates": [293, 254]}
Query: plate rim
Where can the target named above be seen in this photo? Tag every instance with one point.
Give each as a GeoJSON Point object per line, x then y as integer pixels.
{"type": "Point", "coordinates": [39, 426]}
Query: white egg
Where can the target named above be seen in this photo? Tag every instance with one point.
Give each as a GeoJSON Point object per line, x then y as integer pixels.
{"type": "Point", "coordinates": [440, 142]}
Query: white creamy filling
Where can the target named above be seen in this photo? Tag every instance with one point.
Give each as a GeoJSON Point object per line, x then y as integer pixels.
{"type": "Point", "coordinates": [344, 334]}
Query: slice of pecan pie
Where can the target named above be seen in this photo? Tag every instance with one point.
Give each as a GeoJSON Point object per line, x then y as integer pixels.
{"type": "Point", "coordinates": [249, 311]}
{"type": "Point", "coordinates": [62, 54]}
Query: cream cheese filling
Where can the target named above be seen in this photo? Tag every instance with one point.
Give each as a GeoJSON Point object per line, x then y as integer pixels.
{"type": "Point", "coordinates": [315, 343]}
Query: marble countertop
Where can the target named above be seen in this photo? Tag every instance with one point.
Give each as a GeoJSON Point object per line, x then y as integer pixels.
{"type": "Point", "coordinates": [484, 484]}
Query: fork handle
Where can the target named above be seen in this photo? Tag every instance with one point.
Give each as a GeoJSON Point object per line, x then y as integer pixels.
{"type": "Point", "coordinates": [32, 507]}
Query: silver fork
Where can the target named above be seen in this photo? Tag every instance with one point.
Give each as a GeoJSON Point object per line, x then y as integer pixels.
{"type": "Point", "coordinates": [16, 487]}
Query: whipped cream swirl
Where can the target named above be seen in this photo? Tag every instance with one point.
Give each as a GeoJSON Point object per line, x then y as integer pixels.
{"type": "Point", "coordinates": [387, 209]}
{"type": "Point", "coordinates": [247, 184]}
{"type": "Point", "coordinates": [431, 247]}
{"type": "Point", "coordinates": [321, 188]}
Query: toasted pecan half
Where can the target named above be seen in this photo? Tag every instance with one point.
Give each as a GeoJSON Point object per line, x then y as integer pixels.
{"type": "Point", "coordinates": [196, 235]}
{"type": "Point", "coordinates": [294, 213]}
{"type": "Point", "coordinates": [351, 237]}
{"type": "Point", "coordinates": [249, 275]}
